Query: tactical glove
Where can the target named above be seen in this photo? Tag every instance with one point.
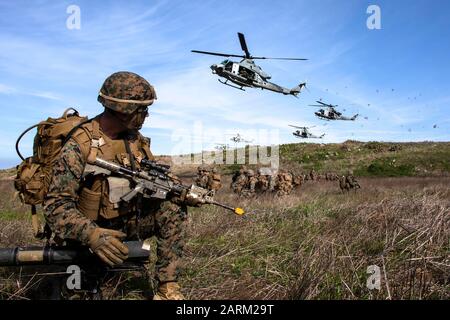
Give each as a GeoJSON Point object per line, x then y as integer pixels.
{"type": "Point", "coordinates": [107, 245]}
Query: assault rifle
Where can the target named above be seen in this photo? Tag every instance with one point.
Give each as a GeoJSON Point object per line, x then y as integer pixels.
{"type": "Point", "coordinates": [155, 181]}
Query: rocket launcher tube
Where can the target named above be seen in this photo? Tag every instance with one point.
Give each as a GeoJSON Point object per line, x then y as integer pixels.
{"type": "Point", "coordinates": [64, 255]}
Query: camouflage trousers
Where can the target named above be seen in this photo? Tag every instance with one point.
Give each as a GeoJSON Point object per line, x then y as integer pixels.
{"type": "Point", "coordinates": [284, 190]}
{"type": "Point", "coordinates": [167, 222]}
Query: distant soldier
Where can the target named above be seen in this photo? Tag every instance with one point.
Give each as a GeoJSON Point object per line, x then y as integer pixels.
{"type": "Point", "coordinates": [284, 184]}
{"type": "Point", "coordinates": [272, 181]}
{"type": "Point", "coordinates": [297, 180]}
{"type": "Point", "coordinates": [351, 180]}
{"type": "Point", "coordinates": [240, 181]}
{"type": "Point", "coordinates": [348, 182]}
{"type": "Point", "coordinates": [214, 181]}
{"type": "Point", "coordinates": [343, 185]}
{"type": "Point", "coordinates": [249, 189]}
{"type": "Point", "coordinates": [199, 174]}
{"type": "Point", "coordinates": [312, 175]}
{"type": "Point", "coordinates": [263, 182]}
{"type": "Point", "coordinates": [329, 176]}
{"type": "Point", "coordinates": [202, 176]}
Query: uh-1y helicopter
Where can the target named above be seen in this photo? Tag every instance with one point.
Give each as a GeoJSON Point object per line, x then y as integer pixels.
{"type": "Point", "coordinates": [304, 133]}
{"type": "Point", "coordinates": [222, 146]}
{"type": "Point", "coordinates": [238, 139]}
{"type": "Point", "coordinates": [246, 73]}
{"type": "Point", "coordinates": [330, 113]}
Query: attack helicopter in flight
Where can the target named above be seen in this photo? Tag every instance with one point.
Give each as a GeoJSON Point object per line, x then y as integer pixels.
{"type": "Point", "coordinates": [330, 113]}
{"type": "Point", "coordinates": [246, 73]}
{"type": "Point", "coordinates": [304, 133]}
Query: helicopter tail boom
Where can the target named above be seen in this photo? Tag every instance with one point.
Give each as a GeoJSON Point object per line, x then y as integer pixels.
{"type": "Point", "coordinates": [296, 90]}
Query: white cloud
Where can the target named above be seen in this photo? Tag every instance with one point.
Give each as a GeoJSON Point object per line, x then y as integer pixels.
{"type": "Point", "coordinates": [7, 89]}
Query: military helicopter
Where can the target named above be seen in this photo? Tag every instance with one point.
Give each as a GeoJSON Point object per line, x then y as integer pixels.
{"type": "Point", "coordinates": [238, 139]}
{"type": "Point", "coordinates": [330, 113]}
{"type": "Point", "coordinates": [222, 146]}
{"type": "Point", "coordinates": [246, 73]}
{"type": "Point", "coordinates": [304, 133]}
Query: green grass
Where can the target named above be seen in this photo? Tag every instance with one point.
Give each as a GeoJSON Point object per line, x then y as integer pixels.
{"type": "Point", "coordinates": [12, 216]}
{"type": "Point", "coordinates": [376, 159]}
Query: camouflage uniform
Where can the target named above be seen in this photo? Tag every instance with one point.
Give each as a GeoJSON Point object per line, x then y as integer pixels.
{"type": "Point", "coordinates": [202, 177]}
{"type": "Point", "coordinates": [214, 181]}
{"type": "Point", "coordinates": [297, 180]}
{"type": "Point", "coordinates": [263, 183]}
{"type": "Point", "coordinates": [351, 180]}
{"type": "Point", "coordinates": [80, 197]}
{"type": "Point", "coordinates": [272, 182]}
{"type": "Point", "coordinates": [250, 187]}
{"type": "Point", "coordinates": [312, 175]}
{"type": "Point", "coordinates": [240, 182]}
{"type": "Point", "coordinates": [343, 183]}
{"type": "Point", "coordinates": [284, 183]}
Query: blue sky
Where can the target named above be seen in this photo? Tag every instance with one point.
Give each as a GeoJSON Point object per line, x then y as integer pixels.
{"type": "Point", "coordinates": [45, 67]}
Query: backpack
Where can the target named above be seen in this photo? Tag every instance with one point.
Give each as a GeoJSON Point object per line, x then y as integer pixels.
{"type": "Point", "coordinates": [34, 173]}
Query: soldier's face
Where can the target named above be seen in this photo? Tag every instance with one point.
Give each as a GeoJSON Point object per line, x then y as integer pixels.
{"type": "Point", "coordinates": [135, 120]}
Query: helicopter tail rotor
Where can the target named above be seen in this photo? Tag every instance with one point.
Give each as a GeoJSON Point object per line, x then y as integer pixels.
{"type": "Point", "coordinates": [296, 90]}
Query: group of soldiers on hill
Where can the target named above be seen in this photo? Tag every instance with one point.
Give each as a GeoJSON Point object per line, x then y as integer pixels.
{"type": "Point", "coordinates": [348, 182]}
{"type": "Point", "coordinates": [247, 183]}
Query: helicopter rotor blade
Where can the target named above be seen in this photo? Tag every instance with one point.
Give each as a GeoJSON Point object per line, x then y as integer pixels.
{"type": "Point", "coordinates": [218, 54]}
{"type": "Point", "coordinates": [327, 104]}
{"type": "Point", "coordinates": [296, 127]}
{"type": "Point", "coordinates": [244, 45]}
{"type": "Point", "coordinates": [299, 59]}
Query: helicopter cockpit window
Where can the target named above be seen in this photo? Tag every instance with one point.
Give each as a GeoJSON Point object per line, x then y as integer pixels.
{"type": "Point", "coordinates": [228, 65]}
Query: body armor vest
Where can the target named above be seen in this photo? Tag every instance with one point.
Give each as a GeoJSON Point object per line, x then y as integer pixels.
{"type": "Point", "coordinates": [100, 192]}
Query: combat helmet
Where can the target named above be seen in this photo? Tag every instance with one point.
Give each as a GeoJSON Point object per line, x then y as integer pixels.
{"type": "Point", "coordinates": [125, 92]}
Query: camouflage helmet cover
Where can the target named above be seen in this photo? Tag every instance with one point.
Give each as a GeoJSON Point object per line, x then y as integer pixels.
{"type": "Point", "coordinates": [125, 92]}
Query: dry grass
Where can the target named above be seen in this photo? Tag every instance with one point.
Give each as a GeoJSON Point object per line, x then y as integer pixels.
{"type": "Point", "coordinates": [314, 244]}
{"type": "Point", "coordinates": [318, 244]}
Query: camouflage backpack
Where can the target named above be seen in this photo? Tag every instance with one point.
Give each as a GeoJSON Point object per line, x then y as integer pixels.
{"type": "Point", "coordinates": [35, 172]}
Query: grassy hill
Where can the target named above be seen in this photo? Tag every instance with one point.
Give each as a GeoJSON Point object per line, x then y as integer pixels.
{"type": "Point", "coordinates": [371, 158]}
{"type": "Point", "coordinates": [366, 159]}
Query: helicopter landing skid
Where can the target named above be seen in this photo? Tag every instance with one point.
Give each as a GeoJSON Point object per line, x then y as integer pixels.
{"type": "Point", "coordinates": [226, 83]}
